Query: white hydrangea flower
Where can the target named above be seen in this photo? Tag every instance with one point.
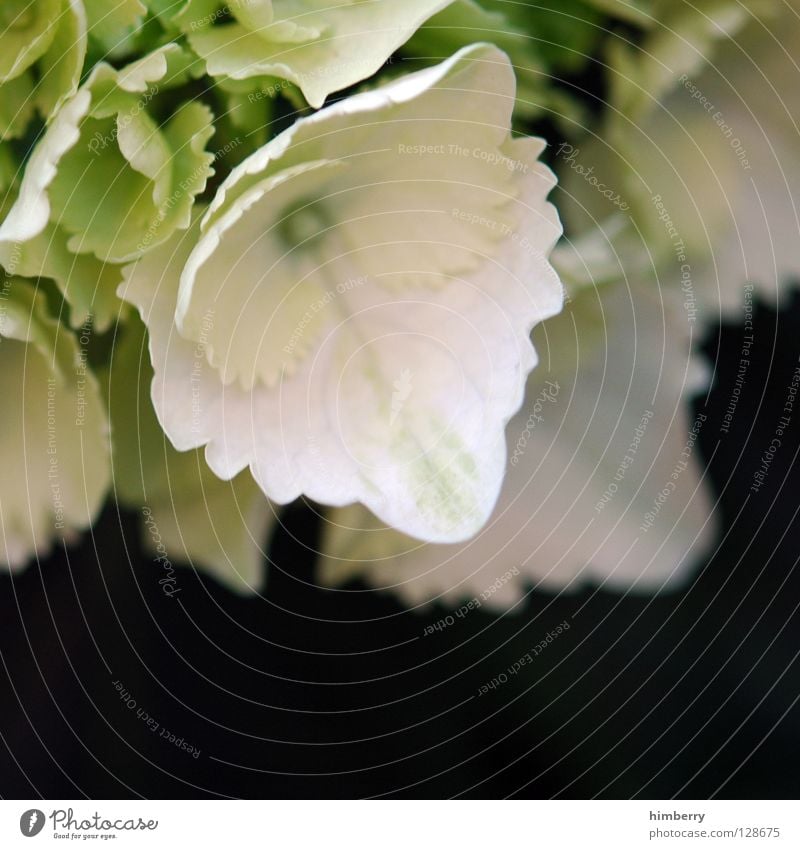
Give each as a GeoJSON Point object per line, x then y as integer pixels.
{"type": "Point", "coordinates": [321, 46]}
{"type": "Point", "coordinates": [54, 439]}
{"type": "Point", "coordinates": [351, 319]}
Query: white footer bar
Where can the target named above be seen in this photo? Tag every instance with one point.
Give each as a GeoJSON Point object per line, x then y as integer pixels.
{"type": "Point", "coordinates": [401, 824]}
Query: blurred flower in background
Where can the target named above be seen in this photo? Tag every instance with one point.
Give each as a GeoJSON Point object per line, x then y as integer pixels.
{"type": "Point", "coordinates": [54, 443]}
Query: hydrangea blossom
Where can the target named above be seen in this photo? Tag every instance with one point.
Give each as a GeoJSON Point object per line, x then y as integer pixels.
{"type": "Point", "coordinates": [321, 46]}
{"type": "Point", "coordinates": [42, 48]}
{"type": "Point", "coordinates": [346, 314]}
{"type": "Point", "coordinates": [370, 340]}
{"type": "Point", "coordinates": [54, 439]}
{"type": "Point", "coordinates": [67, 222]}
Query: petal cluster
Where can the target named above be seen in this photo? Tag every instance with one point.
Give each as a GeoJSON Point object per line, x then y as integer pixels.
{"type": "Point", "coordinates": [321, 46]}
{"type": "Point", "coordinates": [104, 142]}
{"type": "Point", "coordinates": [42, 48]}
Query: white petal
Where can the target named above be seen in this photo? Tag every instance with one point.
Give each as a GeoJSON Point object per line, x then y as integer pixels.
{"type": "Point", "coordinates": [30, 213]}
{"type": "Point", "coordinates": [594, 452]}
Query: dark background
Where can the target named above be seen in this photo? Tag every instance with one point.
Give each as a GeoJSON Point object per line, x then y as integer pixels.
{"type": "Point", "coordinates": [310, 692]}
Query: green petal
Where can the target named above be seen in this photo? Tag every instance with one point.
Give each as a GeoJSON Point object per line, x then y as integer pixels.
{"type": "Point", "coordinates": [102, 145]}
{"type": "Point", "coordinates": [27, 30]}
{"type": "Point", "coordinates": [60, 68]}
{"type": "Point", "coordinates": [43, 60]}
{"type": "Point", "coordinates": [17, 106]}
{"type": "Point", "coordinates": [113, 22]}
{"type": "Point", "coordinates": [88, 285]}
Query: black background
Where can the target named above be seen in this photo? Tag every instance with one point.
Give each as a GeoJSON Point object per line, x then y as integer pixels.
{"type": "Point", "coordinates": [310, 692]}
